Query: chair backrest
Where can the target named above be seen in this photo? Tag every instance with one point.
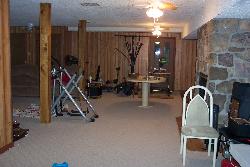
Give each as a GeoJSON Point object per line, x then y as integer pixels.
{"type": "Point", "coordinates": [198, 110]}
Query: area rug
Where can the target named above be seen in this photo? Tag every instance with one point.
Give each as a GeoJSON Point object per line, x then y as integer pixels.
{"type": "Point", "coordinates": [192, 144]}
{"type": "Point", "coordinates": [32, 111]}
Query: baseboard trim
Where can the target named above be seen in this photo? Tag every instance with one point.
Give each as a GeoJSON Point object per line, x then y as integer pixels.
{"type": "Point", "coordinates": [5, 148]}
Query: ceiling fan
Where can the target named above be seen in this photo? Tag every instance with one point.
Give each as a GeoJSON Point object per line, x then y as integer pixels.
{"type": "Point", "coordinates": [160, 4]}
{"type": "Point", "coordinates": [157, 29]}
{"type": "Point", "coordinates": [155, 10]}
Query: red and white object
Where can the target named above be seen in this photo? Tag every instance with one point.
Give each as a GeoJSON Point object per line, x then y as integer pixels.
{"type": "Point", "coordinates": [240, 153]}
{"type": "Point", "coordinates": [229, 163]}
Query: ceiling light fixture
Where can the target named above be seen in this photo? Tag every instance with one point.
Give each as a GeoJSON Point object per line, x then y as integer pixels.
{"type": "Point", "coordinates": [154, 12]}
{"type": "Point", "coordinates": [156, 33]}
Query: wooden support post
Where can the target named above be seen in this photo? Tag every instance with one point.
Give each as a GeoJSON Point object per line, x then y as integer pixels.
{"type": "Point", "coordinates": [6, 139]}
{"type": "Point", "coordinates": [82, 39]}
{"type": "Point", "coordinates": [45, 62]}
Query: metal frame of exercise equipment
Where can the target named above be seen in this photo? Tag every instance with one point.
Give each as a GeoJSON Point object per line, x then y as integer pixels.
{"type": "Point", "coordinates": [65, 93]}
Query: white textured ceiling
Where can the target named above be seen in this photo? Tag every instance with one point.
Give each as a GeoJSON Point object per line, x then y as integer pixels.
{"type": "Point", "coordinates": [123, 13]}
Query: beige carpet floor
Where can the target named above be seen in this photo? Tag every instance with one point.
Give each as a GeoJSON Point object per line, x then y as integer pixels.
{"type": "Point", "coordinates": [125, 135]}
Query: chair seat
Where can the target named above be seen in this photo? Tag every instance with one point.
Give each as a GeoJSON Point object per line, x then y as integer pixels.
{"type": "Point", "coordinates": [199, 131]}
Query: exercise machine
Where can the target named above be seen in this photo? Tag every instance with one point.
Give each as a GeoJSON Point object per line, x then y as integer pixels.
{"type": "Point", "coordinates": [67, 84]}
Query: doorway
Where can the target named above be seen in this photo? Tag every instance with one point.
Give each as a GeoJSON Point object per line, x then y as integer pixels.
{"type": "Point", "coordinates": [162, 58]}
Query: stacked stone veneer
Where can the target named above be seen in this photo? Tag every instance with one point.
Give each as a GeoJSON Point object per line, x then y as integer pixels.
{"type": "Point", "coordinates": [224, 55]}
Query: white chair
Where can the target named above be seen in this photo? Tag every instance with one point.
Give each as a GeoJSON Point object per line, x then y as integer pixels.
{"type": "Point", "coordinates": [197, 120]}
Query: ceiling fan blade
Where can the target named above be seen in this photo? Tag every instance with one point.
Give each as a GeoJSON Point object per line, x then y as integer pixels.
{"type": "Point", "coordinates": [167, 5]}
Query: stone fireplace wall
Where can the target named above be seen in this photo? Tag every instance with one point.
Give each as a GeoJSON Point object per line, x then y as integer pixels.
{"type": "Point", "coordinates": [223, 49]}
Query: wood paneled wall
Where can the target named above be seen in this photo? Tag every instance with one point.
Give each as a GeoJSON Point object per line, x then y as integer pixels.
{"type": "Point", "coordinates": [187, 69]}
{"type": "Point", "coordinates": [6, 139]}
{"type": "Point", "coordinates": [101, 51]}
{"type": "Point", "coordinates": [31, 44]}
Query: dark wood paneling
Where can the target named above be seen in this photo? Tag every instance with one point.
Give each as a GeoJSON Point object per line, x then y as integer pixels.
{"type": "Point", "coordinates": [188, 61]}
{"type": "Point", "coordinates": [100, 49]}
{"type": "Point", "coordinates": [18, 48]}
{"type": "Point", "coordinates": [71, 43]}
{"type": "Point", "coordinates": [56, 45]}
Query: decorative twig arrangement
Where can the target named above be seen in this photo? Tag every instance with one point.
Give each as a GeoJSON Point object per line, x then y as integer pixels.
{"type": "Point", "coordinates": [116, 49]}
{"type": "Point", "coordinates": [133, 50]}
